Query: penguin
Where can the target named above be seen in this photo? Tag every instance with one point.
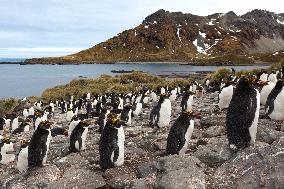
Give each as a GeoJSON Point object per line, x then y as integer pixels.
{"type": "Point", "coordinates": [265, 91]}
{"type": "Point", "coordinates": [14, 123]}
{"type": "Point", "coordinates": [22, 159]}
{"type": "Point", "coordinates": [78, 137]}
{"type": "Point", "coordinates": [180, 134]}
{"type": "Point", "coordinates": [225, 95]}
{"type": "Point", "coordinates": [153, 96]}
{"type": "Point", "coordinates": [75, 121]}
{"type": "Point", "coordinates": [31, 111]}
{"type": "Point", "coordinates": [111, 145]}
{"type": "Point", "coordinates": [272, 77]}
{"type": "Point", "coordinates": [163, 90]}
{"type": "Point", "coordinates": [103, 118]}
{"type": "Point", "coordinates": [39, 145]}
{"type": "Point", "coordinates": [173, 95]}
{"type": "Point", "coordinates": [274, 107]}
{"type": "Point", "coordinates": [6, 147]}
{"type": "Point", "coordinates": [69, 115]}
{"type": "Point", "coordinates": [187, 101]}
{"type": "Point", "coordinates": [25, 113]}
{"type": "Point", "coordinates": [126, 115]}
{"type": "Point", "coordinates": [161, 113]}
{"type": "Point", "coordinates": [24, 127]}
{"type": "Point", "coordinates": [37, 119]}
{"type": "Point", "coordinates": [263, 76]}
{"type": "Point", "coordinates": [137, 109]}
{"type": "Point", "coordinates": [242, 114]}
{"type": "Point", "coordinates": [2, 125]}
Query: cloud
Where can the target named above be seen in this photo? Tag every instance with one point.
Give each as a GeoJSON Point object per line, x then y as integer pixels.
{"type": "Point", "coordinates": [84, 23]}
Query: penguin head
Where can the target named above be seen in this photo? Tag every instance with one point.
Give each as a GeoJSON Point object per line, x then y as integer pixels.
{"type": "Point", "coordinates": [246, 82]}
{"type": "Point", "coordinates": [24, 143]}
{"type": "Point", "coordinates": [6, 140]}
{"type": "Point", "coordinates": [83, 123]}
{"type": "Point", "coordinates": [45, 125]}
{"type": "Point", "coordinates": [114, 121]}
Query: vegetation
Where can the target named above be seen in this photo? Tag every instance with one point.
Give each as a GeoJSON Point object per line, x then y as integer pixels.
{"type": "Point", "coordinates": [7, 105]}
{"type": "Point", "coordinates": [121, 84]}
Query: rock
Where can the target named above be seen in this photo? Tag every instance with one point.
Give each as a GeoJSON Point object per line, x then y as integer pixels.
{"type": "Point", "coordinates": [214, 131]}
{"type": "Point", "coordinates": [160, 145]}
{"type": "Point", "coordinates": [72, 160]}
{"type": "Point", "coordinates": [175, 172]}
{"type": "Point", "coordinates": [42, 176]}
{"type": "Point", "coordinates": [259, 166]}
{"type": "Point", "coordinates": [146, 169]}
{"type": "Point", "coordinates": [79, 178]}
{"type": "Point", "coordinates": [142, 184]}
{"type": "Point", "coordinates": [215, 153]}
{"type": "Point", "coordinates": [121, 181]}
{"type": "Point", "coordinates": [267, 135]}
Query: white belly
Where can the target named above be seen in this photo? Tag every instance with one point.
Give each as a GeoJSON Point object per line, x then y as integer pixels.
{"type": "Point", "coordinates": [187, 137]}
{"type": "Point", "coordinates": [265, 92]}
{"type": "Point", "coordinates": [120, 143]}
{"type": "Point", "coordinates": [22, 163]}
{"type": "Point", "coordinates": [225, 97]}
{"type": "Point", "coordinates": [253, 128]}
{"type": "Point", "coordinates": [47, 147]}
{"type": "Point", "coordinates": [278, 111]}
{"type": "Point", "coordinates": [165, 113]}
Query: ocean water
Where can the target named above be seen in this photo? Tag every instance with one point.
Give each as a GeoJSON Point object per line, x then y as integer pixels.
{"type": "Point", "coordinates": [19, 81]}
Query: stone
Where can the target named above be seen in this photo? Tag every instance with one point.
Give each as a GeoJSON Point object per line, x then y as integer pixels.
{"type": "Point", "coordinates": [175, 172]}
{"type": "Point", "coordinates": [146, 169]}
{"type": "Point", "coordinates": [266, 135]}
{"type": "Point", "coordinates": [72, 160]}
{"type": "Point", "coordinates": [42, 176]}
{"type": "Point", "coordinates": [79, 178]}
{"type": "Point", "coordinates": [214, 131]}
{"type": "Point", "coordinates": [258, 166]}
{"type": "Point", "coordinates": [215, 153]}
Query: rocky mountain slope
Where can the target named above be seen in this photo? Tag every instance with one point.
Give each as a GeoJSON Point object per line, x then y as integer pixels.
{"type": "Point", "coordinates": [174, 36]}
{"type": "Point", "coordinates": [208, 162]}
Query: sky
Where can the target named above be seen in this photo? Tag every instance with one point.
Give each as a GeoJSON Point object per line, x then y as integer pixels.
{"type": "Point", "coordinates": [39, 28]}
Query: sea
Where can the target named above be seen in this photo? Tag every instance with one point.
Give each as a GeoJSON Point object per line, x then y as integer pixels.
{"type": "Point", "coordinates": [18, 81]}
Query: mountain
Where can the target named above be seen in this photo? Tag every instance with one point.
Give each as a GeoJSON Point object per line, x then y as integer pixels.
{"type": "Point", "coordinates": [174, 36]}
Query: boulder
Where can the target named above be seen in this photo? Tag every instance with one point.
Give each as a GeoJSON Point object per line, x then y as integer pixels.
{"type": "Point", "coordinates": [267, 135]}
{"type": "Point", "coordinates": [175, 172]}
{"type": "Point", "coordinates": [259, 166]}
{"type": "Point", "coordinates": [215, 153]}
{"type": "Point", "coordinates": [42, 176]}
{"type": "Point", "coordinates": [146, 169]}
{"type": "Point", "coordinates": [79, 178]}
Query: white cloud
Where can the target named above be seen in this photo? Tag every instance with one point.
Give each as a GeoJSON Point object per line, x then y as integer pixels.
{"type": "Point", "coordinates": [84, 23]}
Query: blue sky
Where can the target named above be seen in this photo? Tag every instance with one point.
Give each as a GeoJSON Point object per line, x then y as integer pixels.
{"type": "Point", "coordinates": [36, 28]}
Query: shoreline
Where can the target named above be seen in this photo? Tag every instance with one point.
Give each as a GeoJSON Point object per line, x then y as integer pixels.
{"type": "Point", "coordinates": [179, 63]}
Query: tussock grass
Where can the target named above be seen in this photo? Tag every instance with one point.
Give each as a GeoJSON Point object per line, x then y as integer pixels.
{"type": "Point", "coordinates": [120, 84]}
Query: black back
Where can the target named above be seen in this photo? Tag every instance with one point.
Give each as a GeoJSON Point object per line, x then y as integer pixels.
{"type": "Point", "coordinates": [108, 144]}
{"type": "Point", "coordinates": [241, 113]}
{"type": "Point", "coordinates": [37, 147]}
{"type": "Point", "coordinates": [76, 135]}
{"type": "Point", "coordinates": [272, 96]}
{"type": "Point", "coordinates": [125, 113]}
{"type": "Point", "coordinates": [176, 137]}
{"type": "Point", "coordinates": [2, 123]}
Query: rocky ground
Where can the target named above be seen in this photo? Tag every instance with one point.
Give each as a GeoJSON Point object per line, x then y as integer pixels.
{"type": "Point", "coordinates": [208, 162]}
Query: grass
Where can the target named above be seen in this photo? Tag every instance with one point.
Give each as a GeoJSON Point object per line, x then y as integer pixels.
{"type": "Point", "coordinates": [7, 105]}
{"type": "Point", "coordinates": [121, 84]}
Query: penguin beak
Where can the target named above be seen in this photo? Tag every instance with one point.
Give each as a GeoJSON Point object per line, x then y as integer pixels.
{"type": "Point", "coordinates": [263, 83]}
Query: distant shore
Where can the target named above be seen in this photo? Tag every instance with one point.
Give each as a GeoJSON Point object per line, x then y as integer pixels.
{"type": "Point", "coordinates": [180, 63]}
